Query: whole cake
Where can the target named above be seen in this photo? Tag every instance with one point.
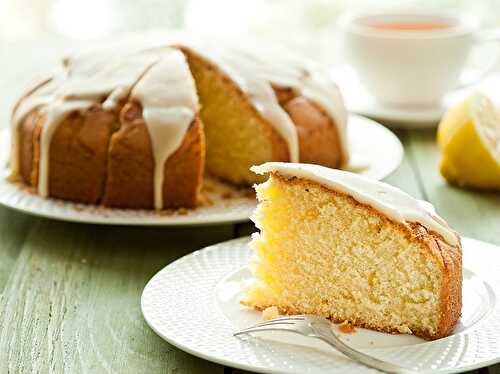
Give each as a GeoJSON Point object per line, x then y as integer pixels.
{"type": "Point", "coordinates": [137, 124]}
{"type": "Point", "coordinates": [339, 245]}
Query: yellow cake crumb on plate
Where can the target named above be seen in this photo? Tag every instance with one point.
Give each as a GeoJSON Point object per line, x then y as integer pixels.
{"type": "Point", "coordinates": [270, 313]}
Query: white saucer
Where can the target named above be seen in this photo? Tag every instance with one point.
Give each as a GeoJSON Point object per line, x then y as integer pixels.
{"type": "Point", "coordinates": [358, 100]}
{"type": "Point", "coordinates": [372, 145]}
{"type": "Point", "coordinates": [193, 304]}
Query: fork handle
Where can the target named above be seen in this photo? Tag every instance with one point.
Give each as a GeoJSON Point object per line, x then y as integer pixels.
{"type": "Point", "coordinates": [363, 358]}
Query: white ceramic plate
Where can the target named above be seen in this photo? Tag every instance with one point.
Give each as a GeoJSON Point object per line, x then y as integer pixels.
{"type": "Point", "coordinates": [193, 304]}
{"type": "Point", "coordinates": [376, 152]}
{"type": "Point", "coordinates": [358, 100]}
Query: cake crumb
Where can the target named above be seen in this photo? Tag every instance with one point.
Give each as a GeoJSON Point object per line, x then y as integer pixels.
{"type": "Point", "coordinates": [163, 213]}
{"type": "Point", "coordinates": [226, 195]}
{"type": "Point", "coordinates": [270, 313]}
{"type": "Point", "coordinates": [182, 211]}
{"type": "Point", "coordinates": [347, 328]}
{"type": "Point", "coordinates": [249, 193]}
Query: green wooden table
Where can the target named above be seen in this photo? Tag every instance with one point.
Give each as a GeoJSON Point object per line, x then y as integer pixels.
{"type": "Point", "coordinates": [70, 293]}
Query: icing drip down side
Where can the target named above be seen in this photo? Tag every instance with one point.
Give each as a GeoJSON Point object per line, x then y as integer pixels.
{"type": "Point", "coordinates": [390, 201]}
{"type": "Point", "coordinates": [104, 78]}
{"type": "Point", "coordinates": [167, 93]}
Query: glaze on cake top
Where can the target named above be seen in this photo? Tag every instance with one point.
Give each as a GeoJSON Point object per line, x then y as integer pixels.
{"type": "Point", "coordinates": [388, 200]}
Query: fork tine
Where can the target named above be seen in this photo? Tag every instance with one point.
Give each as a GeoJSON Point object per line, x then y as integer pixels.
{"type": "Point", "coordinates": [324, 333]}
{"type": "Point", "coordinates": [275, 327]}
{"type": "Point", "coordinates": [298, 317]}
{"type": "Point", "coordinates": [288, 320]}
{"type": "Point", "coordinates": [276, 324]}
{"type": "Point", "coordinates": [272, 323]}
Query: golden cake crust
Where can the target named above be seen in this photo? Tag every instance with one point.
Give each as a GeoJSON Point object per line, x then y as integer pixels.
{"type": "Point", "coordinates": [90, 162]}
{"type": "Point", "coordinates": [318, 138]}
{"type": "Point", "coordinates": [131, 166]}
{"type": "Point", "coordinates": [78, 154]}
{"type": "Point", "coordinates": [448, 257]}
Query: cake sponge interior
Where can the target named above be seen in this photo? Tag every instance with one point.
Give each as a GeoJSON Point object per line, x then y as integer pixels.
{"type": "Point", "coordinates": [236, 135]}
{"type": "Point", "coordinates": [321, 252]}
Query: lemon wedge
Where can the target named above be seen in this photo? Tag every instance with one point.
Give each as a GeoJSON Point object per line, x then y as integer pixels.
{"type": "Point", "coordinates": [469, 137]}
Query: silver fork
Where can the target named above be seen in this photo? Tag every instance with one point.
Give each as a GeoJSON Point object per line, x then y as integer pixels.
{"type": "Point", "coordinates": [320, 328]}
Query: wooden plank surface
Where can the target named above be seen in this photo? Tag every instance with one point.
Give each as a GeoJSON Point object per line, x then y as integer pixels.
{"type": "Point", "coordinates": [71, 302]}
{"type": "Point", "coordinates": [14, 228]}
{"type": "Point", "coordinates": [472, 213]}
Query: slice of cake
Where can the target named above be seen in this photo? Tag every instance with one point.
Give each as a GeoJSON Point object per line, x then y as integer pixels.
{"type": "Point", "coordinates": [339, 245]}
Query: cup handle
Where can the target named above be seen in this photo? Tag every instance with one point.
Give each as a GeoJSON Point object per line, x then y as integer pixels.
{"type": "Point", "coordinates": [487, 36]}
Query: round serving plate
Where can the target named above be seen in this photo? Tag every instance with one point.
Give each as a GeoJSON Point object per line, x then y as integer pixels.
{"type": "Point", "coordinates": [376, 152]}
{"type": "Point", "coordinates": [193, 304]}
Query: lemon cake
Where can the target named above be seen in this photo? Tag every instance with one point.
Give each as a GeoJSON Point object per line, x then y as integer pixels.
{"type": "Point", "coordinates": [339, 245]}
{"type": "Point", "coordinates": [136, 125]}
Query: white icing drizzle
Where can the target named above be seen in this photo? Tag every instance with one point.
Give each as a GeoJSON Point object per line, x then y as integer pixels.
{"type": "Point", "coordinates": [55, 111]}
{"type": "Point", "coordinates": [167, 93]}
{"type": "Point", "coordinates": [390, 201]}
{"type": "Point", "coordinates": [81, 84]}
{"type": "Point", "coordinates": [21, 111]}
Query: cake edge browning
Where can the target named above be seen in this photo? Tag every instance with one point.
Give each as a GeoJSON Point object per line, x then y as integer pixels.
{"type": "Point", "coordinates": [448, 257]}
{"type": "Point", "coordinates": [131, 166]}
{"type": "Point", "coordinates": [318, 133]}
{"type": "Point", "coordinates": [451, 297]}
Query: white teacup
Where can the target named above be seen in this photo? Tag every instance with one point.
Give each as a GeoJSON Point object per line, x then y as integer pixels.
{"type": "Point", "coordinates": [409, 59]}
